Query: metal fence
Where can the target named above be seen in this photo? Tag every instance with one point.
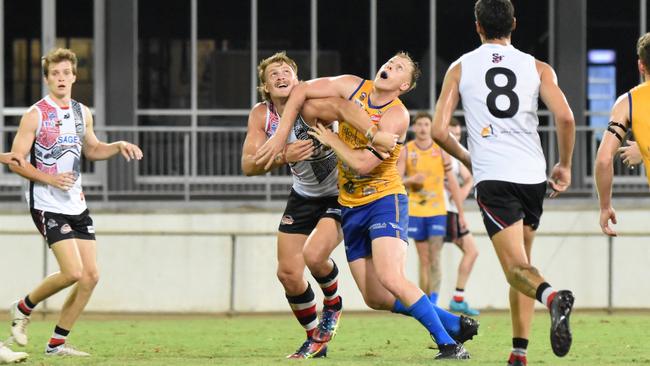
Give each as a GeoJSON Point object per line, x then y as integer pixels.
{"type": "Point", "coordinates": [203, 163]}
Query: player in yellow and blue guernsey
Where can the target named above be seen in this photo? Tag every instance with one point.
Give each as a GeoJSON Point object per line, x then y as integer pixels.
{"type": "Point", "coordinates": [375, 216]}
{"type": "Point", "coordinates": [424, 167]}
{"type": "Point", "coordinates": [631, 110]}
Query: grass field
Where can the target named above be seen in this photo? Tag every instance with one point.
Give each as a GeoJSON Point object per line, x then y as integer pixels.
{"type": "Point", "coordinates": [363, 339]}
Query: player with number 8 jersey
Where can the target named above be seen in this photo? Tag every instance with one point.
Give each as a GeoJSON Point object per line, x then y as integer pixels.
{"type": "Point", "coordinates": [499, 87]}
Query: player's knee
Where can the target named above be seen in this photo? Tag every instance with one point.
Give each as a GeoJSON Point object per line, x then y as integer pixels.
{"type": "Point", "coordinates": [90, 279]}
{"type": "Point", "coordinates": [373, 303]}
{"type": "Point", "coordinates": [392, 282]}
{"type": "Point", "coordinates": [71, 277]}
{"type": "Point", "coordinates": [515, 272]}
{"type": "Point", "coordinates": [290, 279]}
{"type": "Point", "coordinates": [471, 252]}
{"type": "Point", "coordinates": [315, 259]}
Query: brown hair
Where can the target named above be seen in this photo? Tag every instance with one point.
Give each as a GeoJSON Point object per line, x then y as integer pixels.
{"type": "Point", "coordinates": [415, 73]}
{"type": "Point", "coordinates": [280, 57]}
{"type": "Point", "coordinates": [454, 122]}
{"type": "Point", "coordinates": [643, 50]}
{"type": "Point", "coordinates": [56, 56]}
{"type": "Point", "coordinates": [423, 114]}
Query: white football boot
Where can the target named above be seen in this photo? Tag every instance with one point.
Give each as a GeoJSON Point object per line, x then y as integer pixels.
{"type": "Point", "coordinates": [19, 324]}
{"type": "Point", "coordinates": [9, 356]}
{"type": "Point", "coordinates": [64, 350]}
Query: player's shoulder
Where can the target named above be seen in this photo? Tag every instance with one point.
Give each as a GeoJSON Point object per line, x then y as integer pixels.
{"type": "Point", "coordinates": [259, 109]}
{"type": "Point", "coordinates": [398, 111]}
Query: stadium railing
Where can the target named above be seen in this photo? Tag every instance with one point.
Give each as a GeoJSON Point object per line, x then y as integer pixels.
{"type": "Point", "coordinates": [203, 163]}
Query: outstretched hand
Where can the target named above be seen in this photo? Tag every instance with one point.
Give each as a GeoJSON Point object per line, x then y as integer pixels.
{"type": "Point", "coordinates": [560, 180]}
{"type": "Point", "coordinates": [130, 151]}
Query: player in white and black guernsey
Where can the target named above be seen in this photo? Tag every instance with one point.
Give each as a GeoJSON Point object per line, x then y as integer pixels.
{"type": "Point", "coordinates": [310, 227]}
{"type": "Point", "coordinates": [499, 87]}
{"type": "Point", "coordinates": [54, 133]}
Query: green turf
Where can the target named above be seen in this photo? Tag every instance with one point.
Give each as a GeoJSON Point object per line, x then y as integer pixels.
{"type": "Point", "coordinates": [378, 339]}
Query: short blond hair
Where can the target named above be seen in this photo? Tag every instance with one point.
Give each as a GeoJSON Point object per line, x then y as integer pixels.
{"type": "Point", "coordinates": [643, 49]}
{"type": "Point", "coordinates": [415, 72]}
{"type": "Point", "coordinates": [56, 56]}
{"type": "Point", "coordinates": [280, 57]}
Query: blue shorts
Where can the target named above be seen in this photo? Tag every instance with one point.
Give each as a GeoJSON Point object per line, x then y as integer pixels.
{"type": "Point", "coordinates": [422, 228]}
{"type": "Point", "coordinates": [387, 216]}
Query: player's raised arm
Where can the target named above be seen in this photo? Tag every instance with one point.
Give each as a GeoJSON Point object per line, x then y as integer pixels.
{"type": "Point", "coordinates": [604, 169]}
{"type": "Point", "coordinates": [554, 99]}
{"type": "Point", "coordinates": [445, 107]}
{"type": "Point", "coordinates": [339, 86]}
{"type": "Point", "coordinates": [340, 109]}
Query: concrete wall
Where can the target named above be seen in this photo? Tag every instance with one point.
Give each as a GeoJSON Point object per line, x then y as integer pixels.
{"type": "Point", "coordinates": [183, 262]}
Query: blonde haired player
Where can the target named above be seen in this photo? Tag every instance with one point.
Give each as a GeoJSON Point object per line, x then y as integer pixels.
{"type": "Point", "coordinates": [55, 132]}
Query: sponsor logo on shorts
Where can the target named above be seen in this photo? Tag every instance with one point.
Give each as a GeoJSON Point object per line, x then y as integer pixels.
{"type": "Point", "coordinates": [52, 224]}
{"type": "Point", "coordinates": [90, 229]}
{"type": "Point", "coordinates": [413, 230]}
{"type": "Point", "coordinates": [65, 229]}
{"type": "Point", "coordinates": [335, 211]}
{"type": "Point", "coordinates": [377, 226]}
{"type": "Point", "coordinates": [287, 220]}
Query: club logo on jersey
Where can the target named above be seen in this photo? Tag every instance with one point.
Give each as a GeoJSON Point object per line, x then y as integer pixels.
{"type": "Point", "coordinates": [487, 131]}
{"type": "Point", "coordinates": [414, 158]}
{"type": "Point", "coordinates": [51, 115]}
{"type": "Point", "coordinates": [496, 58]}
{"type": "Point", "coordinates": [65, 229]}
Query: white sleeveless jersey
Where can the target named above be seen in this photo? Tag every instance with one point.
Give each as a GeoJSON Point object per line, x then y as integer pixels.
{"type": "Point", "coordinates": [455, 168]}
{"type": "Point", "coordinates": [499, 88]}
{"type": "Point", "coordinates": [316, 176]}
{"type": "Point", "coordinates": [57, 149]}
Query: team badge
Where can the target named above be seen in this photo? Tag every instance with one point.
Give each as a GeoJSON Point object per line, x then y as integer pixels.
{"type": "Point", "coordinates": [287, 220]}
{"type": "Point", "coordinates": [496, 58]}
{"type": "Point", "coordinates": [65, 229]}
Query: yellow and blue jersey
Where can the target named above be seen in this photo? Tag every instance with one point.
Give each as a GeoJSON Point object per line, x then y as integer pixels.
{"type": "Point", "coordinates": [639, 100]}
{"type": "Point", "coordinates": [430, 200]}
{"type": "Point", "coordinates": [356, 189]}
